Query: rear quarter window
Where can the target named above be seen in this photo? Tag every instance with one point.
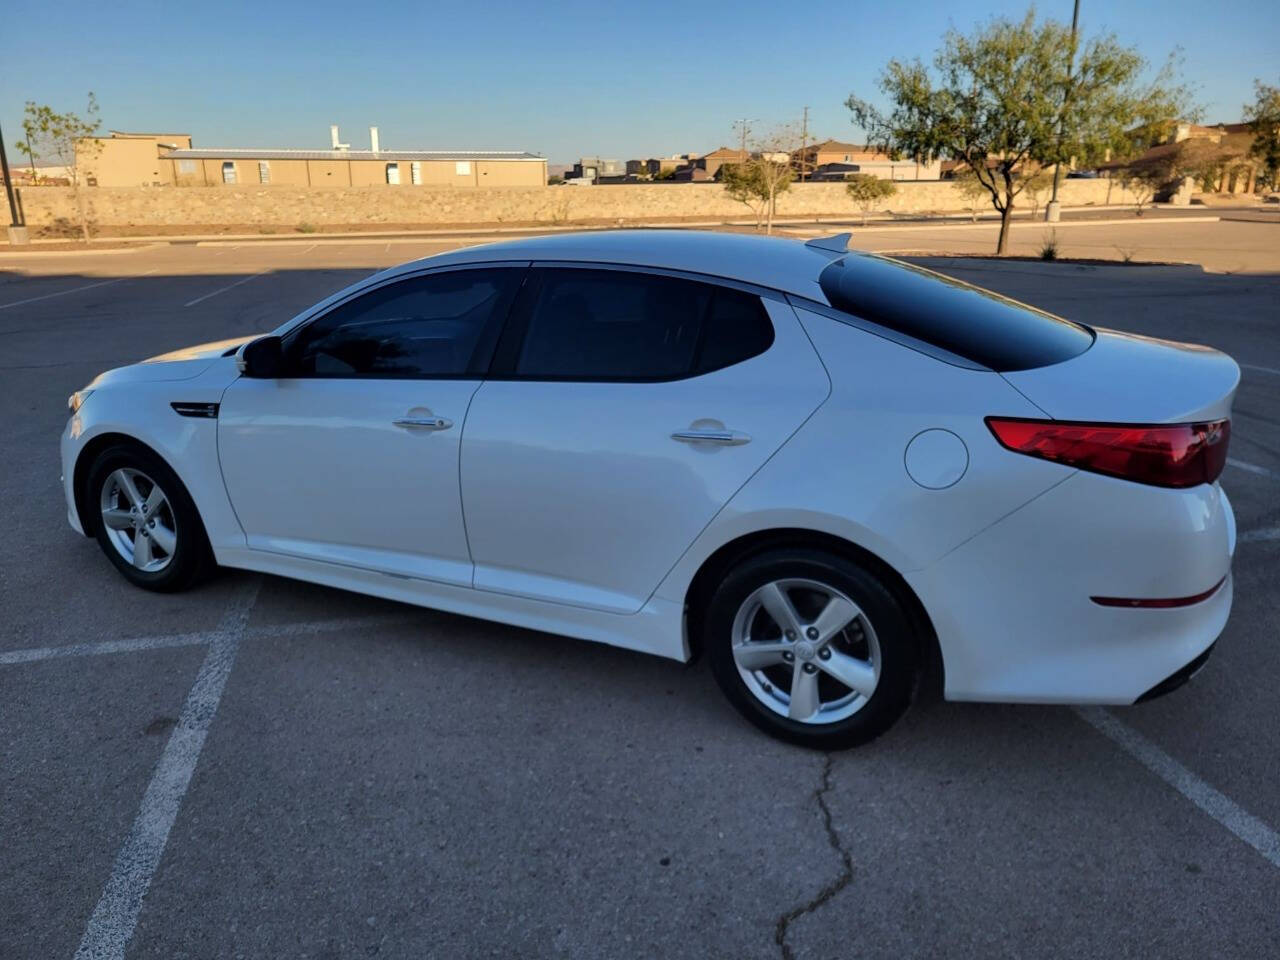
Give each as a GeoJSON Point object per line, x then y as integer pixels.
{"type": "Point", "coordinates": [976, 324]}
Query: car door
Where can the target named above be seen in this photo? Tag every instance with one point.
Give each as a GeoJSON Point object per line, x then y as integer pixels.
{"type": "Point", "coordinates": [623, 411]}
{"type": "Point", "coordinates": [351, 457]}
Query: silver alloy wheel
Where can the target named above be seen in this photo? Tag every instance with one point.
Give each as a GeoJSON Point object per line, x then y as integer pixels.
{"type": "Point", "coordinates": [139, 520]}
{"type": "Point", "coordinates": [806, 651]}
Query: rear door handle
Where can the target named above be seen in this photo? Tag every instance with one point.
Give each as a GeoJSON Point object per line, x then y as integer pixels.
{"type": "Point", "coordinates": [724, 438]}
{"type": "Point", "coordinates": [423, 423]}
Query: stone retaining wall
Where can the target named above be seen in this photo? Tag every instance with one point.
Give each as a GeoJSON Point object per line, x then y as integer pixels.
{"type": "Point", "coordinates": [291, 208]}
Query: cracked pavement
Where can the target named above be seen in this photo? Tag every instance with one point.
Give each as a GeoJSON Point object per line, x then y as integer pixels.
{"type": "Point", "coordinates": [384, 781]}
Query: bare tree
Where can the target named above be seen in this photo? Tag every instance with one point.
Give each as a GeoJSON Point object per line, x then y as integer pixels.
{"type": "Point", "coordinates": [772, 156]}
{"type": "Point", "coordinates": [69, 139]}
{"type": "Point", "coordinates": [764, 176]}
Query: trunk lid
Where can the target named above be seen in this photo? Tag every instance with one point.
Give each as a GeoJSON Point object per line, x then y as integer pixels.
{"type": "Point", "coordinates": [1127, 378]}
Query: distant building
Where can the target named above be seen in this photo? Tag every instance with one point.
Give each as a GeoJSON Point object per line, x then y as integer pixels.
{"type": "Point", "coordinates": [355, 168]}
{"type": "Point", "coordinates": [132, 159]}
{"type": "Point", "coordinates": [598, 170]}
{"type": "Point", "coordinates": [47, 175]}
{"type": "Point", "coordinates": [1221, 151]}
{"type": "Point", "coordinates": [657, 166]}
{"type": "Point", "coordinates": [866, 159]}
{"type": "Point", "coordinates": [711, 162]}
{"type": "Point", "coordinates": [690, 173]}
{"type": "Point", "coordinates": [832, 171]}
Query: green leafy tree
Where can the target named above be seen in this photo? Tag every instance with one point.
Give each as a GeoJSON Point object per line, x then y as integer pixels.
{"type": "Point", "coordinates": [1034, 183]}
{"type": "Point", "coordinates": [974, 193]}
{"type": "Point", "coordinates": [69, 140]}
{"type": "Point", "coordinates": [1013, 93]}
{"type": "Point", "coordinates": [1264, 122]}
{"type": "Point", "coordinates": [1142, 180]}
{"type": "Point", "coordinates": [866, 190]}
{"type": "Point", "coordinates": [743, 182]}
{"type": "Point", "coordinates": [34, 118]}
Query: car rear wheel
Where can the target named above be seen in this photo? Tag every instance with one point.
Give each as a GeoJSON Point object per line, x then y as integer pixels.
{"type": "Point", "coordinates": [812, 648]}
{"type": "Point", "coordinates": [145, 520]}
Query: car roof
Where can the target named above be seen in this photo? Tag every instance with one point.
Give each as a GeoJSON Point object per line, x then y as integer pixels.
{"type": "Point", "coordinates": [779, 264]}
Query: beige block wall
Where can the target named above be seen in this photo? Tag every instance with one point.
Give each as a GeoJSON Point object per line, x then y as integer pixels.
{"type": "Point", "coordinates": [437, 206]}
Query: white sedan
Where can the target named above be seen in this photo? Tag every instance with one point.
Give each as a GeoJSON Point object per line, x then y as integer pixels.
{"type": "Point", "coordinates": [837, 476]}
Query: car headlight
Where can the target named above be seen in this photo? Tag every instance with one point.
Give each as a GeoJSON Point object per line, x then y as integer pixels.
{"type": "Point", "coordinates": [77, 399]}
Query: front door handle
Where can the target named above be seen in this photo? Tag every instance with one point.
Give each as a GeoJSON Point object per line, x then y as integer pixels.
{"type": "Point", "coordinates": [423, 423]}
{"type": "Point", "coordinates": [724, 438]}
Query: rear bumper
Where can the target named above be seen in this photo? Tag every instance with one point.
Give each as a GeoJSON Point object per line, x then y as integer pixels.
{"type": "Point", "coordinates": [1178, 677]}
{"type": "Point", "coordinates": [1012, 606]}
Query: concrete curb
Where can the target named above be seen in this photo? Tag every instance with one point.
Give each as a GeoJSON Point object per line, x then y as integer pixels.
{"type": "Point", "coordinates": [26, 251]}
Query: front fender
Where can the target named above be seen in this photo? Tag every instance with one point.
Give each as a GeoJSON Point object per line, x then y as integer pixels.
{"type": "Point", "coordinates": [141, 411]}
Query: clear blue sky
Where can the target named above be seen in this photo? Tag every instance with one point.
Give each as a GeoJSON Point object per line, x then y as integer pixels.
{"type": "Point", "coordinates": [558, 78]}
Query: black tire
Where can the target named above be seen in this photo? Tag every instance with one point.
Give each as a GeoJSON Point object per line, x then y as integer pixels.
{"type": "Point", "coordinates": [191, 559]}
{"type": "Point", "coordinates": [899, 645]}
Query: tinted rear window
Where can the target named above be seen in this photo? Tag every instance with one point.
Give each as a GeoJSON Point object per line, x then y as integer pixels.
{"type": "Point", "coordinates": [975, 324]}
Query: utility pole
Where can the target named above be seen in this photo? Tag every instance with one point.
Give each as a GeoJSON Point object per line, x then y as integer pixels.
{"type": "Point", "coordinates": [804, 143]}
{"type": "Point", "coordinates": [744, 125]}
{"type": "Point", "coordinates": [18, 231]}
{"type": "Point", "coordinates": [1053, 210]}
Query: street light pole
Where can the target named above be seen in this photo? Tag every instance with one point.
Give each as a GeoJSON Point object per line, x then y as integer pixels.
{"type": "Point", "coordinates": [1053, 210]}
{"type": "Point", "coordinates": [18, 231]}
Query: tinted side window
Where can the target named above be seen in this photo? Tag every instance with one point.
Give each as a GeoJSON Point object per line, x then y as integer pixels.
{"type": "Point", "coordinates": [981, 326]}
{"type": "Point", "coordinates": [612, 325]}
{"type": "Point", "coordinates": [619, 325]}
{"type": "Point", "coordinates": [737, 329]}
{"type": "Point", "coordinates": [440, 325]}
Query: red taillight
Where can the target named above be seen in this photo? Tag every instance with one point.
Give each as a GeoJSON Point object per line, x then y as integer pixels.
{"type": "Point", "coordinates": [1164, 455]}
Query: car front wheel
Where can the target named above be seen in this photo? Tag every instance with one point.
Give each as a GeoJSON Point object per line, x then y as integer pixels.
{"type": "Point", "coordinates": [811, 647]}
{"type": "Point", "coordinates": [145, 520]}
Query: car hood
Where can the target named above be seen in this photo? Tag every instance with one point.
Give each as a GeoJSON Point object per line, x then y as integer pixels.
{"type": "Point", "coordinates": [181, 364]}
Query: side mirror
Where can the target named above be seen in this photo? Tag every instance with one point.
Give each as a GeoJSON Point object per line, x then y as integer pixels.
{"type": "Point", "coordinates": [262, 359]}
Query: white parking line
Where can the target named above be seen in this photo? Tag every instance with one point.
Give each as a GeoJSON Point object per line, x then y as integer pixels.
{"type": "Point", "coordinates": [111, 926]}
{"type": "Point", "coordinates": [135, 644]}
{"type": "Point", "coordinates": [1255, 367]}
{"type": "Point", "coordinates": [1260, 536]}
{"type": "Point", "coordinates": [306, 628]}
{"type": "Point", "coordinates": [64, 293]}
{"type": "Point", "coordinates": [106, 646]}
{"type": "Point", "coordinates": [1249, 467]}
{"type": "Point", "coordinates": [229, 286]}
{"type": "Point", "coordinates": [1210, 800]}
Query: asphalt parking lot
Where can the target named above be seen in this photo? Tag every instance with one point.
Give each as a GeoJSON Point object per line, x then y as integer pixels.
{"type": "Point", "coordinates": [263, 768]}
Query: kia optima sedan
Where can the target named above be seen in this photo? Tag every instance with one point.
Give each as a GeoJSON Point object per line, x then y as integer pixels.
{"type": "Point", "coordinates": [839, 477]}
